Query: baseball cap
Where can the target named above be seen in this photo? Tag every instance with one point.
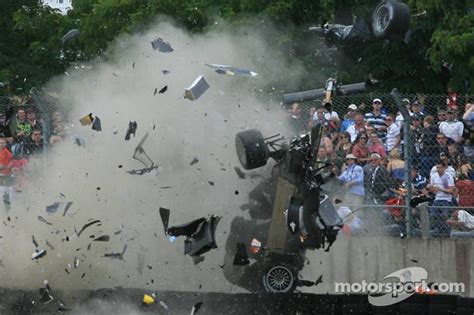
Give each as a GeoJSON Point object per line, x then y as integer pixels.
{"type": "Point", "coordinates": [353, 107]}
{"type": "Point", "coordinates": [351, 156]}
{"type": "Point", "coordinates": [377, 100]}
{"type": "Point", "coordinates": [375, 155]}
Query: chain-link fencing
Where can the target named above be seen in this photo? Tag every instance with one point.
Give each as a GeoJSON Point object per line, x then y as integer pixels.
{"type": "Point", "coordinates": [411, 173]}
{"type": "Point", "coordinates": [29, 125]}
{"type": "Point", "coordinates": [418, 184]}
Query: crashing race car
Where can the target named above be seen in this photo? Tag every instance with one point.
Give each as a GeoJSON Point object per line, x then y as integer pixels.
{"type": "Point", "coordinates": [302, 217]}
{"type": "Point", "coordinates": [390, 21]}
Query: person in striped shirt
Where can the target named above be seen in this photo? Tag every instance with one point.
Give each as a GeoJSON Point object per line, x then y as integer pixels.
{"type": "Point", "coordinates": [377, 119]}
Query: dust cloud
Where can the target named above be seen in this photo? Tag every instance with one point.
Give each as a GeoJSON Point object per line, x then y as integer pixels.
{"type": "Point", "coordinates": [121, 89]}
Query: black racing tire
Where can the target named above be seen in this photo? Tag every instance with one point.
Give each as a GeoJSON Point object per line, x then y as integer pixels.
{"type": "Point", "coordinates": [279, 278]}
{"type": "Point", "coordinates": [251, 149]}
{"type": "Point", "coordinates": [391, 20]}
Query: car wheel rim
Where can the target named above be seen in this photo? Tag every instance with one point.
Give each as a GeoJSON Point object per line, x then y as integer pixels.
{"type": "Point", "coordinates": [279, 279]}
{"type": "Point", "coordinates": [383, 18]}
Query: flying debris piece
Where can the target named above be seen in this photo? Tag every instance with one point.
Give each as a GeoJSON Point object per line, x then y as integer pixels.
{"type": "Point", "coordinates": [118, 232]}
{"type": "Point", "coordinates": [86, 226]}
{"type": "Point", "coordinates": [186, 229]}
{"type": "Point", "coordinates": [83, 275]}
{"type": "Point", "coordinates": [62, 306]}
{"type": "Point", "coordinates": [38, 253]}
{"type": "Point", "coordinates": [141, 156]}
{"type": "Point", "coordinates": [6, 200]}
{"type": "Point", "coordinates": [68, 205]}
{"type": "Point", "coordinates": [200, 235]}
{"type": "Point", "coordinates": [305, 283]}
{"type": "Point", "coordinates": [45, 293]}
{"type": "Point", "coordinates": [414, 260]}
{"type": "Point", "coordinates": [196, 308]}
{"type": "Point", "coordinates": [165, 72]}
{"type": "Point", "coordinates": [198, 259]}
{"type": "Point", "coordinates": [239, 172]}
{"type": "Point", "coordinates": [133, 64]}
{"type": "Point", "coordinates": [79, 142]}
{"type": "Point", "coordinates": [86, 120]}
{"type": "Point", "coordinates": [131, 130]}
{"type": "Point", "coordinates": [255, 246]}
{"type": "Point", "coordinates": [44, 220]}
{"type": "Point", "coordinates": [165, 217]}
{"type": "Point", "coordinates": [89, 246]}
{"type": "Point", "coordinates": [194, 161]}
{"type": "Point", "coordinates": [117, 255]}
{"type": "Point", "coordinates": [142, 171]}
{"type": "Point", "coordinates": [241, 257]}
{"type": "Point", "coordinates": [196, 89]}
{"type": "Point", "coordinates": [96, 125]}
{"type": "Point", "coordinates": [53, 208]}
{"type": "Point", "coordinates": [319, 280]}
{"type": "Point", "coordinates": [49, 244]}
{"type": "Point", "coordinates": [163, 89]}
{"type": "Point", "coordinates": [210, 183]}
{"type": "Point", "coordinates": [114, 74]}
{"type": "Point", "coordinates": [163, 304]}
{"type": "Point", "coordinates": [149, 299]}
{"type": "Point", "coordinates": [223, 69]}
{"type": "Point", "coordinates": [34, 241]}
{"type": "Point", "coordinates": [155, 91]}
{"type": "Point", "coordinates": [103, 238]}
{"type": "Point", "coordinates": [161, 45]}
{"type": "Point", "coordinates": [70, 35]}
{"type": "Point", "coordinates": [76, 262]}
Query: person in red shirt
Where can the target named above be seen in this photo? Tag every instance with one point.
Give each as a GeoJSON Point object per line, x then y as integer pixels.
{"type": "Point", "coordinates": [5, 157]}
{"type": "Point", "coordinates": [376, 146]}
{"type": "Point", "coordinates": [451, 100]}
{"type": "Point", "coordinates": [465, 189]}
{"type": "Point", "coordinates": [360, 149]}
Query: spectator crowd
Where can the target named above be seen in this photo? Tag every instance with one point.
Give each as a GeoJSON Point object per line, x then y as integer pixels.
{"type": "Point", "coordinates": [24, 136]}
{"type": "Point", "coordinates": [365, 146]}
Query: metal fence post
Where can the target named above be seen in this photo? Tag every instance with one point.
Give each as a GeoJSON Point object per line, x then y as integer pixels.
{"type": "Point", "coordinates": [408, 156]}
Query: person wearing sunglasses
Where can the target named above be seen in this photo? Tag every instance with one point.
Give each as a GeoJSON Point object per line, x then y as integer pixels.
{"type": "Point", "coordinates": [360, 150]}
{"type": "Point", "coordinates": [343, 148]}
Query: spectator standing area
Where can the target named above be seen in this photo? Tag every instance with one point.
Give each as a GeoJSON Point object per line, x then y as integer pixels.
{"type": "Point", "coordinates": [364, 136]}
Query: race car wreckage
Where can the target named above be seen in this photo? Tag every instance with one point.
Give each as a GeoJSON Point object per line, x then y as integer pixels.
{"type": "Point", "coordinates": [310, 215]}
{"type": "Point", "coordinates": [302, 218]}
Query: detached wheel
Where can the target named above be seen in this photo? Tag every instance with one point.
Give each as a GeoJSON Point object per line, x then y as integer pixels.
{"type": "Point", "coordinates": [279, 279]}
{"type": "Point", "coordinates": [391, 20]}
{"type": "Point", "coordinates": [251, 149]}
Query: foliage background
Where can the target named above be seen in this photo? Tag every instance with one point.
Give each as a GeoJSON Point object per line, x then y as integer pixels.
{"type": "Point", "coordinates": [438, 56]}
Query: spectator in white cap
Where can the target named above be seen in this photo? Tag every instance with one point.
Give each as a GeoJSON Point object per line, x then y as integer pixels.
{"type": "Point", "coordinates": [349, 118]}
{"type": "Point", "coordinates": [377, 119]}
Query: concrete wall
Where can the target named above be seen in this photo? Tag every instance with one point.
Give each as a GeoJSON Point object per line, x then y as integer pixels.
{"type": "Point", "coordinates": [353, 259]}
